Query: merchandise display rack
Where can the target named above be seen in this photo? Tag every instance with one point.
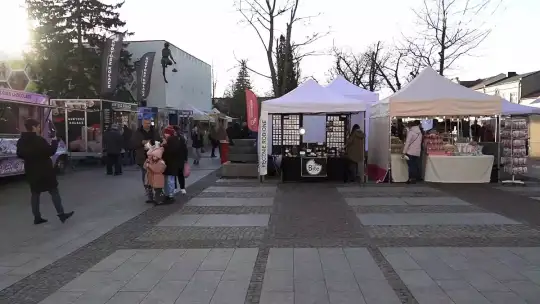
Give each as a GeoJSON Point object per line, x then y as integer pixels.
{"type": "Point", "coordinates": [514, 134]}
{"type": "Point", "coordinates": [336, 133]}
{"type": "Point", "coordinates": [277, 134]}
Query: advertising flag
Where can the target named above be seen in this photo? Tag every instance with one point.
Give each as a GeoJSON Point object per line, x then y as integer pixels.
{"type": "Point", "coordinates": [252, 111]}
{"type": "Point", "coordinates": [144, 75]}
{"type": "Point", "coordinates": [110, 64]}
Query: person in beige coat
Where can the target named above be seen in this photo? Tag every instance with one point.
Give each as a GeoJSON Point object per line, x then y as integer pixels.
{"type": "Point", "coordinates": [354, 152]}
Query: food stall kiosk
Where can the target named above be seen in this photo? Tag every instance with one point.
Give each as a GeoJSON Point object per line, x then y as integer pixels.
{"type": "Point", "coordinates": [281, 129]}
{"type": "Point", "coordinates": [15, 108]}
{"type": "Point", "coordinates": [81, 123]}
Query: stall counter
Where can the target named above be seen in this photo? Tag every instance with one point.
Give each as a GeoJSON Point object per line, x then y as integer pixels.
{"type": "Point", "coordinates": [459, 169]}
{"type": "Point", "coordinates": [400, 171]}
{"type": "Point", "coordinates": [295, 169]}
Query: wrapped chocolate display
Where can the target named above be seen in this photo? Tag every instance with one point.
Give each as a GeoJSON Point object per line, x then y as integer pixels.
{"type": "Point", "coordinates": [514, 137]}
{"type": "Point", "coordinates": [434, 144]}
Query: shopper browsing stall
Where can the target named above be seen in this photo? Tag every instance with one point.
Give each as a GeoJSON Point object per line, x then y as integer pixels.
{"type": "Point", "coordinates": [412, 150]}
{"type": "Point", "coordinates": [354, 152]}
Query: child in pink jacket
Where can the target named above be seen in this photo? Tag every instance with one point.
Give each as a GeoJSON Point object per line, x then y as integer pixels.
{"type": "Point", "coordinates": [155, 166]}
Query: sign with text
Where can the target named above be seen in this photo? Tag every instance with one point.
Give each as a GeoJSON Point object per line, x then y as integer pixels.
{"type": "Point", "coordinates": [314, 166]}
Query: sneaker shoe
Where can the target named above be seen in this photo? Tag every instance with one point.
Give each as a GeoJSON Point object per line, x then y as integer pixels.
{"type": "Point", "coordinates": [40, 220]}
{"type": "Point", "coordinates": [176, 191]}
{"type": "Point", "coordinates": [64, 216]}
{"type": "Point", "coordinates": [183, 191]}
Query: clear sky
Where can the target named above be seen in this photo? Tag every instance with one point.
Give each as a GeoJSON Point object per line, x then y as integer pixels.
{"type": "Point", "coordinates": [211, 30]}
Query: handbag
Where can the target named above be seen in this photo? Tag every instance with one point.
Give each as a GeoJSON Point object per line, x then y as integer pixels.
{"type": "Point", "coordinates": [187, 170]}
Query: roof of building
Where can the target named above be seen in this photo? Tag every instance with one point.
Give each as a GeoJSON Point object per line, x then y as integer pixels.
{"type": "Point", "coordinates": [489, 80]}
{"type": "Point", "coordinates": [470, 83]}
{"type": "Point", "coordinates": [511, 78]}
{"type": "Point", "coordinates": [535, 94]}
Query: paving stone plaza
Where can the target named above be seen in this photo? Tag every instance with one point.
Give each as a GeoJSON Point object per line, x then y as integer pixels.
{"type": "Point", "coordinates": [238, 241]}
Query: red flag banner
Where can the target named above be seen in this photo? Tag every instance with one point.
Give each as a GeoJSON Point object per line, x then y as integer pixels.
{"type": "Point", "coordinates": [252, 111]}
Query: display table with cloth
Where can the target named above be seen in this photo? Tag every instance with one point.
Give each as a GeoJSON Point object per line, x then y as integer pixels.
{"type": "Point", "coordinates": [400, 170]}
{"type": "Point", "coordinates": [459, 169]}
{"type": "Point", "coordinates": [292, 169]}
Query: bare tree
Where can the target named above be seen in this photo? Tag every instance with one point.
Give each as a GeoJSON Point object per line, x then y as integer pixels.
{"type": "Point", "coordinates": [360, 69]}
{"type": "Point", "coordinates": [449, 30]}
{"type": "Point", "coordinates": [396, 67]}
{"type": "Point", "coordinates": [262, 16]}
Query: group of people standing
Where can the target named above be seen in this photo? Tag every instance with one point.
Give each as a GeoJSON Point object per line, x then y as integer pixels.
{"type": "Point", "coordinates": [163, 162]}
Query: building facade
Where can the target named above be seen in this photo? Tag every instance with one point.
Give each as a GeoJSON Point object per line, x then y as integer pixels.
{"type": "Point", "coordinates": [190, 86]}
{"type": "Point", "coordinates": [518, 88]}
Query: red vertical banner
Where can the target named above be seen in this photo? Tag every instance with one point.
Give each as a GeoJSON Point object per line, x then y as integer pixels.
{"type": "Point", "coordinates": [252, 111]}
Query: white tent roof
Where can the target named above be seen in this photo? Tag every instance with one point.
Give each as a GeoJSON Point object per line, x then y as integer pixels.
{"type": "Point", "coordinates": [510, 108]}
{"type": "Point", "coordinates": [431, 94]}
{"type": "Point", "coordinates": [341, 86]}
{"type": "Point", "coordinates": [310, 97]}
{"type": "Point", "coordinates": [200, 115]}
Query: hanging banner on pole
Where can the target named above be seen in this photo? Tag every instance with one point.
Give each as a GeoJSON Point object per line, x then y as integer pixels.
{"type": "Point", "coordinates": [144, 75]}
{"type": "Point", "coordinates": [252, 111]}
{"type": "Point", "coordinates": [110, 64]}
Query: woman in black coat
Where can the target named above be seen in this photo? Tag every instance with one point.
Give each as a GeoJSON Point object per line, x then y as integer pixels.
{"type": "Point", "coordinates": [174, 156]}
{"type": "Point", "coordinates": [36, 153]}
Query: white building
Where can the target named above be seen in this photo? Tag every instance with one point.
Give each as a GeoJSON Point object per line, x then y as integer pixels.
{"type": "Point", "coordinates": [190, 87]}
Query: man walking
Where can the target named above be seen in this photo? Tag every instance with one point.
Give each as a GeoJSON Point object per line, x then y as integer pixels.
{"type": "Point", "coordinates": [145, 134]}
{"type": "Point", "coordinates": [113, 143]}
{"type": "Point", "coordinates": [36, 153]}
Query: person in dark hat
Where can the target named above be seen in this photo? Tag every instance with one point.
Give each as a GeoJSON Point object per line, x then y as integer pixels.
{"type": "Point", "coordinates": [36, 153]}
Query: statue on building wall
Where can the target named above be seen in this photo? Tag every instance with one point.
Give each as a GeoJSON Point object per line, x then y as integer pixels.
{"type": "Point", "coordinates": [166, 59]}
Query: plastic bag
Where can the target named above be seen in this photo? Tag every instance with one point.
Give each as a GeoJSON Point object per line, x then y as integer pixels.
{"type": "Point", "coordinates": [187, 170]}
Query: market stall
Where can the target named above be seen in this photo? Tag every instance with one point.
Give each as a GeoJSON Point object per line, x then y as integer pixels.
{"type": "Point", "coordinates": [81, 122]}
{"type": "Point", "coordinates": [430, 95]}
{"type": "Point", "coordinates": [282, 132]}
{"type": "Point", "coordinates": [15, 108]}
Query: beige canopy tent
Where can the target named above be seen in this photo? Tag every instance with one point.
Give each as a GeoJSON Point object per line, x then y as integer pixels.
{"type": "Point", "coordinates": [431, 94]}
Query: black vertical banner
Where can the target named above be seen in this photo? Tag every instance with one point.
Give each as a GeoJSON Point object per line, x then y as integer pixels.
{"type": "Point", "coordinates": [144, 75]}
{"type": "Point", "coordinates": [110, 64]}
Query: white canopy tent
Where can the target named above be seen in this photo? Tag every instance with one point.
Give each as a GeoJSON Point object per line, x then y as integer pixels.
{"type": "Point", "coordinates": [309, 97]}
{"type": "Point", "coordinates": [510, 108]}
{"type": "Point", "coordinates": [200, 115]}
{"type": "Point", "coordinates": [342, 86]}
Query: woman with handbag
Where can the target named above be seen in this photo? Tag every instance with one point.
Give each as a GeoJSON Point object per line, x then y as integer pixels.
{"type": "Point", "coordinates": [412, 151]}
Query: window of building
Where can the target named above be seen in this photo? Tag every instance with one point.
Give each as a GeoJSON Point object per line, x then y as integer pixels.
{"type": "Point", "coordinates": [512, 97]}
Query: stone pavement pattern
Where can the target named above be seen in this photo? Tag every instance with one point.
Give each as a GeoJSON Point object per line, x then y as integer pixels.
{"type": "Point", "coordinates": [101, 203]}
{"type": "Point", "coordinates": [236, 241]}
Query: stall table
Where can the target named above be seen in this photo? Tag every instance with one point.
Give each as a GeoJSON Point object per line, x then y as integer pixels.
{"type": "Point", "coordinates": [400, 171]}
{"type": "Point", "coordinates": [295, 169]}
{"type": "Point", "coordinates": [459, 169]}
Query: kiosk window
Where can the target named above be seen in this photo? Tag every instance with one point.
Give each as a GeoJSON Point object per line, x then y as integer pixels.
{"type": "Point", "coordinates": [13, 115]}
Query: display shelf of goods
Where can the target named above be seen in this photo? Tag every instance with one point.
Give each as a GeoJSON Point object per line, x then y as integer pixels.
{"type": "Point", "coordinates": [396, 145]}
{"type": "Point", "coordinates": [291, 130]}
{"type": "Point", "coordinates": [277, 130]}
{"type": "Point", "coordinates": [434, 143]}
{"type": "Point", "coordinates": [514, 137]}
{"type": "Point", "coordinates": [335, 132]}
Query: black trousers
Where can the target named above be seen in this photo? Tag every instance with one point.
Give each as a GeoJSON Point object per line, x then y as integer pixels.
{"type": "Point", "coordinates": [114, 161]}
{"type": "Point", "coordinates": [349, 170]}
{"type": "Point", "coordinates": [181, 180]}
{"type": "Point", "coordinates": [57, 202]}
